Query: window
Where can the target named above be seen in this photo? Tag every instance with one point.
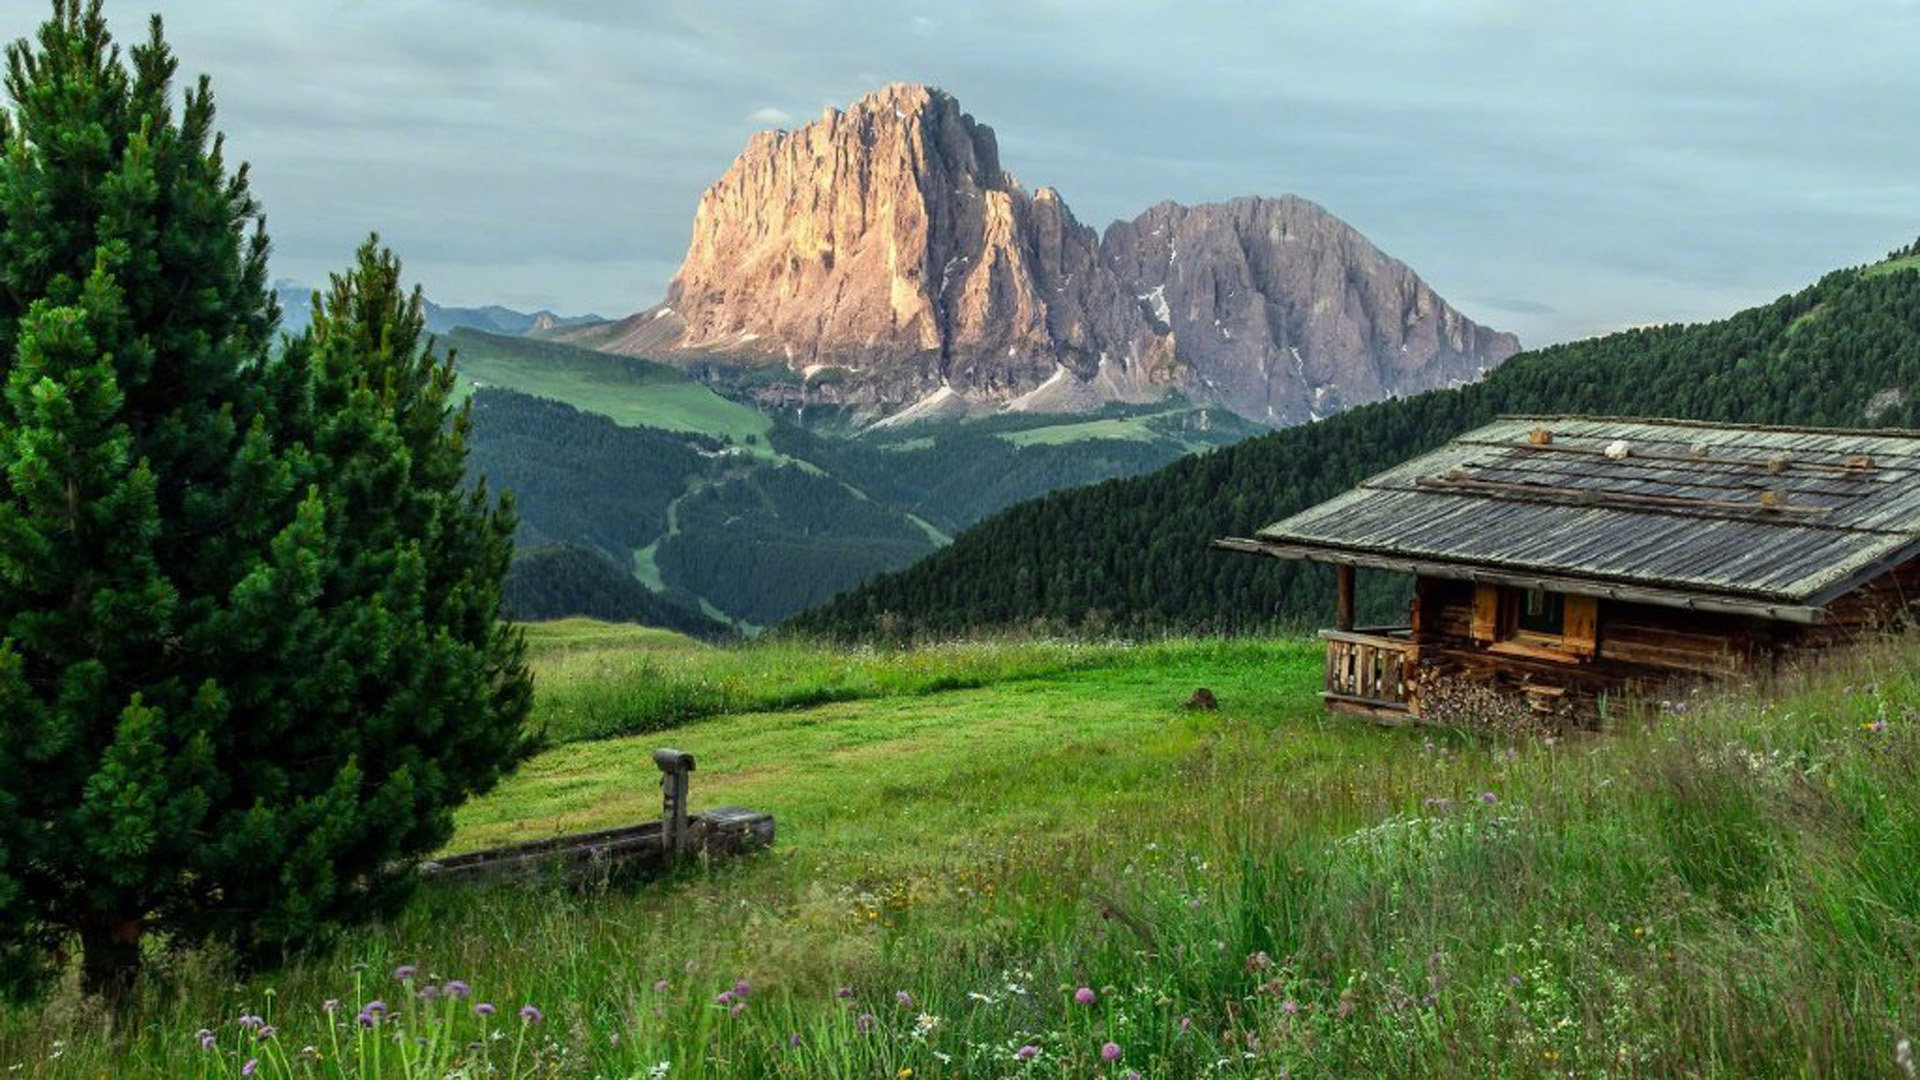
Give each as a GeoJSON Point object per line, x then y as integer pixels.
{"type": "Point", "coordinates": [1541, 612]}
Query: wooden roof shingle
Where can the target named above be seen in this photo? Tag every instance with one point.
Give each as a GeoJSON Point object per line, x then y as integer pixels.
{"type": "Point", "coordinates": [1770, 520]}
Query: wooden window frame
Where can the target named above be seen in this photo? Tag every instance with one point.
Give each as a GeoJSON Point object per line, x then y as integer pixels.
{"type": "Point", "coordinates": [1496, 610]}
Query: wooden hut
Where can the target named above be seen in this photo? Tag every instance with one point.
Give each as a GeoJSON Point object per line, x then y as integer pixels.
{"type": "Point", "coordinates": [1567, 558]}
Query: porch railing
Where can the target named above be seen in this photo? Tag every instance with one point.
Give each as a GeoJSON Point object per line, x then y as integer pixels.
{"type": "Point", "coordinates": [1370, 669]}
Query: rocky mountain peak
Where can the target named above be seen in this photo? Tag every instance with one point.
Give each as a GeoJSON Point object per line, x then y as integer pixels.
{"type": "Point", "coordinates": [888, 242]}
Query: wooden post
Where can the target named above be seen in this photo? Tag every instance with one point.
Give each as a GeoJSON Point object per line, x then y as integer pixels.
{"type": "Point", "coordinates": [1343, 602]}
{"type": "Point", "coordinates": [674, 767]}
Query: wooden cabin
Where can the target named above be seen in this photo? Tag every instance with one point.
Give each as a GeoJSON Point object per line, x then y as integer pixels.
{"type": "Point", "coordinates": [1567, 559]}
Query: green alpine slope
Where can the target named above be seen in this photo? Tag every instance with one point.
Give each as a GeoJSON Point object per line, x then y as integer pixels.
{"type": "Point", "coordinates": [1133, 553]}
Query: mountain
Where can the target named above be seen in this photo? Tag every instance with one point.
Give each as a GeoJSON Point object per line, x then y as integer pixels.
{"type": "Point", "coordinates": [556, 581]}
{"type": "Point", "coordinates": [887, 247]}
{"type": "Point", "coordinates": [618, 464]}
{"type": "Point", "coordinates": [296, 307]}
{"type": "Point", "coordinates": [1133, 553]}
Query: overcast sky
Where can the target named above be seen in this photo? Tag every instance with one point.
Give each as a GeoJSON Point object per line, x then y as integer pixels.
{"type": "Point", "coordinates": [1554, 169]}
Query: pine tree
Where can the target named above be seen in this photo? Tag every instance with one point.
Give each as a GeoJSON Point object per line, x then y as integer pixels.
{"type": "Point", "coordinates": [249, 658]}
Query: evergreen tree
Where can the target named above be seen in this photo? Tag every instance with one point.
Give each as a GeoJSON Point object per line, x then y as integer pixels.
{"type": "Point", "coordinates": [249, 657]}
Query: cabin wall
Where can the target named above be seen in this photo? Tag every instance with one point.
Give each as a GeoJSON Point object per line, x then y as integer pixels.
{"type": "Point", "coordinates": [1634, 645]}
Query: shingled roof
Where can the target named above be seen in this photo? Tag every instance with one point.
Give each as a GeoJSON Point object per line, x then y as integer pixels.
{"type": "Point", "coordinates": [1771, 521]}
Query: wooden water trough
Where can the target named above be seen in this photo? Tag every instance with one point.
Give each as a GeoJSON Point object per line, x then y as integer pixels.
{"type": "Point", "coordinates": [634, 850]}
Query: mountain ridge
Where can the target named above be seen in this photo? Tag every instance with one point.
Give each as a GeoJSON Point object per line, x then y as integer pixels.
{"type": "Point", "coordinates": [1842, 352]}
{"type": "Point", "coordinates": [887, 245]}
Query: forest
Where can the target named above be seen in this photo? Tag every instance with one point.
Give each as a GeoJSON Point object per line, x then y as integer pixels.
{"type": "Point", "coordinates": [1133, 553]}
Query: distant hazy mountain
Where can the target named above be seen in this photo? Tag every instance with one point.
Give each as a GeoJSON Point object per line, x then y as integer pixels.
{"type": "Point", "coordinates": [296, 304]}
{"type": "Point", "coordinates": [882, 260]}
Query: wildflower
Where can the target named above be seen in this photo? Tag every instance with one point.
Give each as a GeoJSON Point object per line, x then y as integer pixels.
{"type": "Point", "coordinates": [366, 1019]}
{"type": "Point", "coordinates": [251, 1023]}
{"type": "Point", "coordinates": [330, 1005]}
{"type": "Point", "coordinates": [660, 987]}
{"type": "Point", "coordinates": [741, 988]}
{"type": "Point", "coordinates": [659, 1072]}
{"type": "Point", "coordinates": [793, 1039]}
{"type": "Point", "coordinates": [206, 1039]}
{"type": "Point", "coordinates": [905, 999]}
{"type": "Point", "coordinates": [376, 1006]}
{"type": "Point", "coordinates": [1344, 1009]}
{"type": "Point", "coordinates": [457, 989]}
{"type": "Point", "coordinates": [724, 997]}
{"type": "Point", "coordinates": [843, 993]}
{"type": "Point", "coordinates": [1133, 1074]}
{"type": "Point", "coordinates": [1259, 961]}
{"type": "Point", "coordinates": [1186, 1024]}
{"type": "Point", "coordinates": [483, 1009]}
{"type": "Point", "coordinates": [1290, 1007]}
{"type": "Point", "coordinates": [1027, 1052]}
{"type": "Point", "coordinates": [865, 1023]}
{"type": "Point", "coordinates": [1085, 995]}
{"type": "Point", "coordinates": [1110, 1052]}
{"type": "Point", "coordinates": [905, 1071]}
{"type": "Point", "coordinates": [249, 1067]}
{"type": "Point", "coordinates": [1489, 798]}
{"type": "Point", "coordinates": [1903, 1055]}
{"type": "Point", "coordinates": [530, 1014]}
{"type": "Point", "coordinates": [738, 1008]}
{"type": "Point", "coordinates": [925, 1023]}
{"type": "Point", "coordinates": [429, 992]}
{"type": "Point", "coordinates": [405, 973]}
{"type": "Point", "coordinates": [265, 1032]}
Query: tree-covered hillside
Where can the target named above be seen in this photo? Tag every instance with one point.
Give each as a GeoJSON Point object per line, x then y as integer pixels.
{"type": "Point", "coordinates": [1133, 553]}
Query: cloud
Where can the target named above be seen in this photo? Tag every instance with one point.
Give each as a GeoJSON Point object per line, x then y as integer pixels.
{"type": "Point", "coordinates": [1608, 165]}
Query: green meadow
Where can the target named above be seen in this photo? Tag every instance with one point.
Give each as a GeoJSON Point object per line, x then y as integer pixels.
{"type": "Point", "coordinates": [1027, 859]}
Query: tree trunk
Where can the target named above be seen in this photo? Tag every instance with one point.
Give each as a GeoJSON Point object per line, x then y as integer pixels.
{"type": "Point", "coordinates": [109, 956]}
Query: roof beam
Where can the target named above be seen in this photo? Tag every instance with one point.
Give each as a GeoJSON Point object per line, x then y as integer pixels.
{"type": "Point", "coordinates": [1639, 594]}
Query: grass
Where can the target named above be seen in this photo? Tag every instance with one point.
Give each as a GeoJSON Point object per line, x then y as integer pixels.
{"type": "Point", "coordinates": [638, 393]}
{"type": "Point", "coordinates": [1723, 887]}
{"type": "Point", "coordinates": [1891, 266]}
{"type": "Point", "coordinates": [1129, 428]}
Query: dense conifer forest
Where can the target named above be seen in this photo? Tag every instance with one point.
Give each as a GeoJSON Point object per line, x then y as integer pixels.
{"type": "Point", "coordinates": [1133, 554]}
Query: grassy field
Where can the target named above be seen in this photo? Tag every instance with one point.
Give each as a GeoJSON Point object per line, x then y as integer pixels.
{"type": "Point", "coordinates": [1026, 859]}
{"type": "Point", "coordinates": [634, 392]}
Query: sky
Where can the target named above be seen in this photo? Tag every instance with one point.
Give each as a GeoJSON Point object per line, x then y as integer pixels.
{"type": "Point", "coordinates": [1558, 170]}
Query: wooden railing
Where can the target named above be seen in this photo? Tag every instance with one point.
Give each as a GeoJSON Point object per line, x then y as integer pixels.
{"type": "Point", "coordinates": [1369, 670]}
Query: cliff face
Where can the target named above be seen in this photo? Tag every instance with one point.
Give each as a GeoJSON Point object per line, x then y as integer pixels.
{"type": "Point", "coordinates": [888, 244]}
{"type": "Point", "coordinates": [1285, 313]}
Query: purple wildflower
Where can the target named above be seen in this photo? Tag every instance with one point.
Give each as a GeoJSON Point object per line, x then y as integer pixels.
{"type": "Point", "coordinates": [457, 989]}
{"type": "Point", "coordinates": [741, 988]}
{"type": "Point", "coordinates": [905, 999]}
{"type": "Point", "coordinates": [265, 1032]}
{"type": "Point", "coordinates": [206, 1039]}
{"type": "Point", "coordinates": [793, 1040]}
{"type": "Point", "coordinates": [724, 997]}
{"type": "Point", "coordinates": [429, 992]}
{"type": "Point", "coordinates": [865, 1024]}
{"type": "Point", "coordinates": [1489, 798]}
{"type": "Point", "coordinates": [484, 1008]}
{"type": "Point", "coordinates": [530, 1014]}
{"type": "Point", "coordinates": [844, 993]}
{"type": "Point", "coordinates": [1290, 1007]}
{"type": "Point", "coordinates": [1133, 1074]}
{"type": "Point", "coordinates": [660, 987]}
{"type": "Point", "coordinates": [405, 973]}
{"type": "Point", "coordinates": [1110, 1052]}
{"type": "Point", "coordinates": [366, 1019]}
{"type": "Point", "coordinates": [1085, 995]}
{"type": "Point", "coordinates": [1027, 1052]}
{"type": "Point", "coordinates": [376, 1006]}
{"type": "Point", "coordinates": [249, 1067]}
{"type": "Point", "coordinates": [250, 1022]}
{"type": "Point", "coordinates": [738, 1008]}
{"type": "Point", "coordinates": [1186, 1024]}
{"type": "Point", "coordinates": [1344, 1009]}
